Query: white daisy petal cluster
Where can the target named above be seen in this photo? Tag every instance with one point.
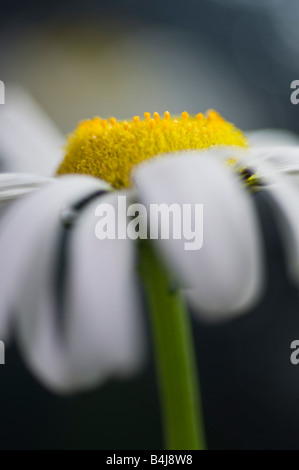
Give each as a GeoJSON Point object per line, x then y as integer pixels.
{"type": "Point", "coordinates": [225, 275]}
{"type": "Point", "coordinates": [91, 330]}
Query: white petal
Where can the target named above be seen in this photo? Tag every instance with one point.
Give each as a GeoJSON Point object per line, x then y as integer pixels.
{"type": "Point", "coordinates": [284, 195]}
{"type": "Point", "coordinates": [225, 275]}
{"type": "Point", "coordinates": [37, 328]}
{"type": "Point", "coordinates": [28, 244]}
{"type": "Point", "coordinates": [15, 185]}
{"type": "Point", "coordinates": [29, 141]}
{"type": "Point", "coordinates": [103, 309]}
{"type": "Point", "coordinates": [272, 137]}
{"type": "Point", "coordinates": [284, 159]}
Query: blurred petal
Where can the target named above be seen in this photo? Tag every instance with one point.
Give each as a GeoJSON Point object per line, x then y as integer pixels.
{"type": "Point", "coordinates": [284, 159]}
{"type": "Point", "coordinates": [225, 275]}
{"type": "Point", "coordinates": [272, 137]}
{"type": "Point", "coordinates": [15, 185]}
{"type": "Point", "coordinates": [37, 330]}
{"type": "Point", "coordinates": [29, 141]}
{"type": "Point", "coordinates": [284, 195]}
{"type": "Point", "coordinates": [28, 245]}
{"type": "Point", "coordinates": [103, 307]}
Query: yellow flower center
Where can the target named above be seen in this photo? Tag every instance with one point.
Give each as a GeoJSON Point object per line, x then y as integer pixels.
{"type": "Point", "coordinates": [111, 149]}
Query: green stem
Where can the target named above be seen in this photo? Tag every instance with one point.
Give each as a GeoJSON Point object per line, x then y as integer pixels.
{"type": "Point", "coordinates": [175, 358]}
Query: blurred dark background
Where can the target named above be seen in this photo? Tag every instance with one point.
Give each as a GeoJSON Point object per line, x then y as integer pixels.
{"type": "Point", "coordinates": [112, 57]}
{"type": "Point", "coordinates": [78, 59]}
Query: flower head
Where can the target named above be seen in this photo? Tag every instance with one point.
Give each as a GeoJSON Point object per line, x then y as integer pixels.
{"type": "Point", "coordinates": [110, 150]}
{"type": "Point", "coordinates": [80, 287]}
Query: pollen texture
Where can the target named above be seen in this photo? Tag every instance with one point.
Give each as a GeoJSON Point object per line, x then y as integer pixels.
{"type": "Point", "coordinates": [109, 149]}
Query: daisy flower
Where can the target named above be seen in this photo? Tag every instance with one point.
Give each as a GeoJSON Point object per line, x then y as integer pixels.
{"type": "Point", "coordinates": [73, 300]}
